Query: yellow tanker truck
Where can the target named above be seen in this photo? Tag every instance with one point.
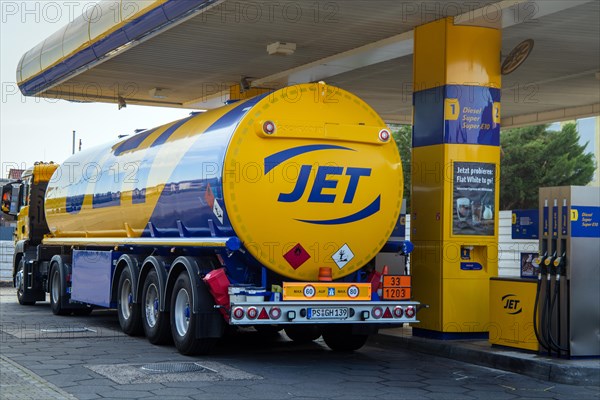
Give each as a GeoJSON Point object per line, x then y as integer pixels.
{"type": "Point", "coordinates": [266, 212]}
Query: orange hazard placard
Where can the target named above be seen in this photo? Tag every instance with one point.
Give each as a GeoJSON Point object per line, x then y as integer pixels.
{"type": "Point", "coordinates": [396, 287]}
{"type": "Point", "coordinates": [396, 281]}
{"type": "Point", "coordinates": [396, 293]}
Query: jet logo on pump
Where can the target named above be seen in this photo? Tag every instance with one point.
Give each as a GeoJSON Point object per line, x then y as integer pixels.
{"type": "Point", "coordinates": [324, 178]}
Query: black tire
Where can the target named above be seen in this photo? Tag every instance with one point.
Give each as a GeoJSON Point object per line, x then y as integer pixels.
{"type": "Point", "coordinates": [129, 312]}
{"type": "Point", "coordinates": [183, 320]}
{"type": "Point", "coordinates": [56, 287]}
{"type": "Point", "coordinates": [156, 324]}
{"type": "Point", "coordinates": [303, 333]}
{"type": "Point", "coordinates": [341, 338]}
{"type": "Point", "coordinates": [21, 285]}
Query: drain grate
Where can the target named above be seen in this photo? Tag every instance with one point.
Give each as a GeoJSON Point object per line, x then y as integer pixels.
{"type": "Point", "coordinates": [175, 367]}
{"type": "Point", "coordinates": [171, 371]}
{"type": "Point", "coordinates": [67, 330]}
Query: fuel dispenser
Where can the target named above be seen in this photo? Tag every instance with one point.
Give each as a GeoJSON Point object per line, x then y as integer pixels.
{"type": "Point", "coordinates": [396, 251]}
{"type": "Point", "coordinates": [567, 303]}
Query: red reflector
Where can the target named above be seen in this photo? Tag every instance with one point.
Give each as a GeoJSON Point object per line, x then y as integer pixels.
{"type": "Point", "coordinates": [263, 314]}
{"type": "Point", "coordinates": [269, 127]}
{"type": "Point", "coordinates": [387, 313]}
{"type": "Point", "coordinates": [410, 312]}
{"type": "Point", "coordinates": [384, 135]}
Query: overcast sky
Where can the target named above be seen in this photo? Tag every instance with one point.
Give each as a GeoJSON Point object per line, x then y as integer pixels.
{"type": "Point", "coordinates": [41, 129]}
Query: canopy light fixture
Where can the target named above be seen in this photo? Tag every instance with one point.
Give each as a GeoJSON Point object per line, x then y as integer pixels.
{"type": "Point", "coordinates": [160, 93]}
{"type": "Point", "coordinates": [281, 48]}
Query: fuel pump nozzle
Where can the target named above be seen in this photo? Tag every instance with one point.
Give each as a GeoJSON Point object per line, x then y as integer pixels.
{"type": "Point", "coordinates": [548, 267]}
{"type": "Point", "coordinates": [539, 263]}
{"type": "Point", "coordinates": [560, 266]}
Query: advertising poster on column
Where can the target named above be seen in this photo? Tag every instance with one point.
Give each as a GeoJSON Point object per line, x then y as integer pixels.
{"type": "Point", "coordinates": [474, 198]}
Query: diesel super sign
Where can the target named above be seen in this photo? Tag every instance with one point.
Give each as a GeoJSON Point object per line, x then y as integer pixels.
{"type": "Point", "coordinates": [324, 179]}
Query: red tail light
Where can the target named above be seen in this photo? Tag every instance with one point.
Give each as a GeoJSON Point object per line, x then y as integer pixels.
{"type": "Point", "coordinates": [377, 312]}
{"type": "Point", "coordinates": [252, 313]}
{"type": "Point", "coordinates": [398, 312]}
{"type": "Point", "coordinates": [275, 313]}
{"type": "Point", "coordinates": [238, 313]}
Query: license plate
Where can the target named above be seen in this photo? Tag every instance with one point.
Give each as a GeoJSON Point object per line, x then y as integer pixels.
{"type": "Point", "coordinates": [328, 313]}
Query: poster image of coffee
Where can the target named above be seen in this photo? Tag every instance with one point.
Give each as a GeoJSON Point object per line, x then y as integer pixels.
{"type": "Point", "coordinates": [474, 198]}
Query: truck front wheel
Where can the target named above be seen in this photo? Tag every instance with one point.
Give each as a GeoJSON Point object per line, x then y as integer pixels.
{"type": "Point", "coordinates": [155, 322]}
{"type": "Point", "coordinates": [57, 292]}
{"type": "Point", "coordinates": [341, 338]}
{"type": "Point", "coordinates": [183, 320]}
{"type": "Point", "coordinates": [129, 312]}
{"type": "Point", "coordinates": [20, 285]}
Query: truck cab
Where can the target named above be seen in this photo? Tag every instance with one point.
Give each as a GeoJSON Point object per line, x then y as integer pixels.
{"type": "Point", "coordinates": [24, 199]}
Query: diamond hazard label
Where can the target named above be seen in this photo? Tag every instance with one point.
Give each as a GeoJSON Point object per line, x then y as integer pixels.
{"type": "Point", "coordinates": [214, 204]}
{"type": "Point", "coordinates": [209, 196]}
{"type": "Point", "coordinates": [218, 211]}
{"type": "Point", "coordinates": [296, 256]}
{"type": "Point", "coordinates": [342, 256]}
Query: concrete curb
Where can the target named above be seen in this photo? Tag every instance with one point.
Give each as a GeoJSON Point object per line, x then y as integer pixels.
{"type": "Point", "coordinates": [584, 372]}
{"type": "Point", "coordinates": [19, 382]}
{"type": "Point", "coordinates": [6, 284]}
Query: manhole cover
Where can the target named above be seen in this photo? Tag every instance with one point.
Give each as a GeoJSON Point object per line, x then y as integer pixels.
{"type": "Point", "coordinates": [67, 330]}
{"type": "Point", "coordinates": [174, 367]}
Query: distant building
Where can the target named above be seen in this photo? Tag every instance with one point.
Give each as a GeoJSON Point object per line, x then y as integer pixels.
{"type": "Point", "coordinates": [6, 221]}
{"type": "Point", "coordinates": [15, 173]}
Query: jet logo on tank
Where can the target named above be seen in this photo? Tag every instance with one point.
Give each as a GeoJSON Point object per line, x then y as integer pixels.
{"type": "Point", "coordinates": [323, 183]}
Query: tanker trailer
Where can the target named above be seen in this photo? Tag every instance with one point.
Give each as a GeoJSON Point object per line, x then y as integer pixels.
{"type": "Point", "coordinates": [266, 212]}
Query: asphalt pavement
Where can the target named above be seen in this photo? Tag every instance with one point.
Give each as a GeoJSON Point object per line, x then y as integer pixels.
{"type": "Point", "coordinates": [43, 356]}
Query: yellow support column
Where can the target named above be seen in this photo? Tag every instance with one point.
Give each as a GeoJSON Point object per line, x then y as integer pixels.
{"type": "Point", "coordinates": [455, 176]}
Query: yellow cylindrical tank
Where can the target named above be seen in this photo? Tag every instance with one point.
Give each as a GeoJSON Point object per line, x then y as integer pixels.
{"type": "Point", "coordinates": [306, 177]}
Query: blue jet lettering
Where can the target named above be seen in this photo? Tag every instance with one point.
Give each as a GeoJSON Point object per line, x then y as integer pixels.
{"type": "Point", "coordinates": [322, 182]}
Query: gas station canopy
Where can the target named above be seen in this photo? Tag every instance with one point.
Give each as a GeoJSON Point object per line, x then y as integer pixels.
{"type": "Point", "coordinates": [189, 53]}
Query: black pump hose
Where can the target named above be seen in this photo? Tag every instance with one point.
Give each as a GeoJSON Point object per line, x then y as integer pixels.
{"type": "Point", "coordinates": [556, 346]}
{"type": "Point", "coordinates": [546, 316]}
{"type": "Point", "coordinates": [535, 313]}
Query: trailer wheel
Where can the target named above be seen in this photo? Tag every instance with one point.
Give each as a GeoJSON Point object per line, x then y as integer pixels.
{"type": "Point", "coordinates": [303, 333]}
{"type": "Point", "coordinates": [20, 284]}
{"type": "Point", "coordinates": [129, 312]}
{"type": "Point", "coordinates": [155, 322]}
{"type": "Point", "coordinates": [57, 291]}
{"type": "Point", "coordinates": [341, 338]}
{"type": "Point", "coordinates": [183, 320]}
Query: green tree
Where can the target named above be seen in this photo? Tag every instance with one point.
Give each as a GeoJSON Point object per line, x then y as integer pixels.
{"type": "Point", "coordinates": [535, 157]}
{"type": "Point", "coordinates": [403, 136]}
